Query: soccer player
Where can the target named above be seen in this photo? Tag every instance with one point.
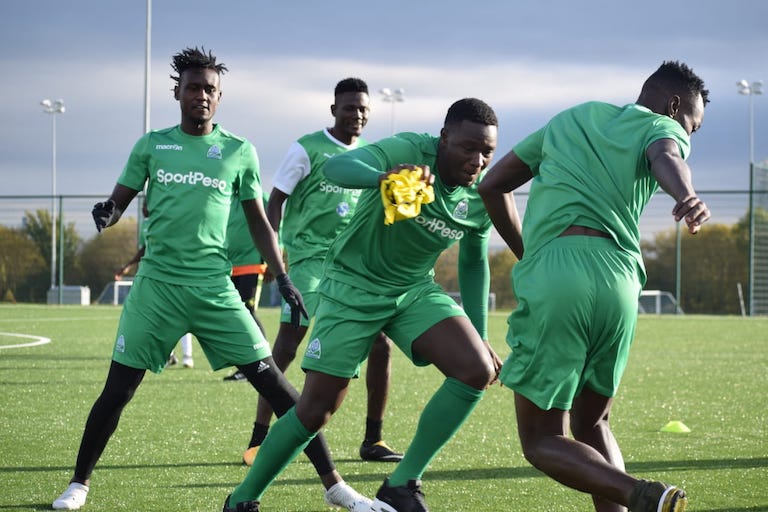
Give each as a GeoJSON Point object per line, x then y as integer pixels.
{"type": "Point", "coordinates": [380, 278]}
{"type": "Point", "coordinates": [193, 172]}
{"type": "Point", "coordinates": [316, 211]}
{"type": "Point", "coordinates": [592, 168]}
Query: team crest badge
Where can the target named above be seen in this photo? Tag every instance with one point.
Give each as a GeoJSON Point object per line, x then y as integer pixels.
{"type": "Point", "coordinates": [214, 152]}
{"type": "Point", "coordinates": [120, 345]}
{"type": "Point", "coordinates": [314, 350]}
{"type": "Point", "coordinates": [461, 210]}
{"type": "Point", "coordinates": [342, 209]}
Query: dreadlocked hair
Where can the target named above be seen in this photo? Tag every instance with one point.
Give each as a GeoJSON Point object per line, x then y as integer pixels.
{"type": "Point", "coordinates": [195, 58]}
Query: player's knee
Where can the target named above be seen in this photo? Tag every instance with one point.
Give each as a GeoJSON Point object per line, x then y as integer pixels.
{"type": "Point", "coordinates": [587, 428]}
{"type": "Point", "coordinates": [478, 376]}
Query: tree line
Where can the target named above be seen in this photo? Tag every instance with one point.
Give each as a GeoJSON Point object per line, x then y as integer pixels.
{"type": "Point", "coordinates": [712, 264]}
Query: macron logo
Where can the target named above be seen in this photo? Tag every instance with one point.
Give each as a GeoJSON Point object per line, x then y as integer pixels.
{"type": "Point", "coordinates": [171, 147]}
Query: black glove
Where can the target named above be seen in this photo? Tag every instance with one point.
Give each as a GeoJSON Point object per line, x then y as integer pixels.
{"type": "Point", "coordinates": [292, 296]}
{"type": "Point", "coordinates": [103, 213]}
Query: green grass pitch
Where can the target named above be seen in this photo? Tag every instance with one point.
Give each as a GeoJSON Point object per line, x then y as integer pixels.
{"type": "Point", "coordinates": [179, 443]}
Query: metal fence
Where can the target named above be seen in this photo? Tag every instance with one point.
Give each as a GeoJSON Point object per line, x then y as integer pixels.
{"type": "Point", "coordinates": [727, 206]}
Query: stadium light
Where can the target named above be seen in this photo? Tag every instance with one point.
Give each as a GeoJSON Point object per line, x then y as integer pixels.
{"type": "Point", "coordinates": [390, 96]}
{"type": "Point", "coordinates": [53, 107]}
{"type": "Point", "coordinates": [751, 89]}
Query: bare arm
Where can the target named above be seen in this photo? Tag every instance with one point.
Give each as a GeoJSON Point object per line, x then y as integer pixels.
{"type": "Point", "coordinates": [275, 207]}
{"type": "Point", "coordinates": [496, 190]}
{"type": "Point", "coordinates": [674, 177]}
{"type": "Point", "coordinates": [263, 235]}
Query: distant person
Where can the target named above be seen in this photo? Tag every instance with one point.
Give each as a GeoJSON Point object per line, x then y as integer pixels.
{"type": "Point", "coordinates": [185, 341]}
{"type": "Point", "coordinates": [380, 278]}
{"type": "Point", "coordinates": [592, 168]}
{"type": "Point", "coordinates": [316, 211]}
{"type": "Point", "coordinates": [194, 173]}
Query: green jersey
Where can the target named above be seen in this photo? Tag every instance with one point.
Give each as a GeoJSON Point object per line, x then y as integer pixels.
{"type": "Point", "coordinates": [390, 259]}
{"type": "Point", "coordinates": [316, 210]}
{"type": "Point", "coordinates": [590, 169]}
{"type": "Point", "coordinates": [191, 184]}
{"type": "Point", "coordinates": [240, 246]}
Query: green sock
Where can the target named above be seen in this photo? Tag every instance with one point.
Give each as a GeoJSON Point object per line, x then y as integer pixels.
{"type": "Point", "coordinates": [286, 440]}
{"type": "Point", "coordinates": [442, 417]}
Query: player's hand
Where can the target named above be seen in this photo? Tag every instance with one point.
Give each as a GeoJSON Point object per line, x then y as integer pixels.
{"type": "Point", "coordinates": [292, 296]}
{"type": "Point", "coordinates": [426, 176]}
{"type": "Point", "coordinates": [496, 363]}
{"type": "Point", "coordinates": [103, 214]}
{"type": "Point", "coordinates": [693, 210]}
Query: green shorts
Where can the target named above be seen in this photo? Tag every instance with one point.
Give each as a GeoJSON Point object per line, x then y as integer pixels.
{"type": "Point", "coordinates": [306, 276]}
{"type": "Point", "coordinates": [348, 319]}
{"type": "Point", "coordinates": [156, 314]}
{"type": "Point", "coordinates": [574, 323]}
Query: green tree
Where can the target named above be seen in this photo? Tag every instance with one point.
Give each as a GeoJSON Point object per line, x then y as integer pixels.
{"type": "Point", "coordinates": [446, 269]}
{"type": "Point", "coordinates": [501, 262]}
{"type": "Point", "coordinates": [20, 259]}
{"type": "Point", "coordinates": [713, 264]}
{"type": "Point", "coordinates": [37, 227]}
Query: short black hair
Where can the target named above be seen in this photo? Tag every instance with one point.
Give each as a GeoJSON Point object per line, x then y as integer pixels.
{"type": "Point", "coordinates": [471, 109]}
{"type": "Point", "coordinates": [350, 85]}
{"type": "Point", "coordinates": [195, 58]}
{"type": "Point", "coordinates": [675, 77]}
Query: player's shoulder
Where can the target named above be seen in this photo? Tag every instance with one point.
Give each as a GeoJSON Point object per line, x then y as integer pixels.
{"type": "Point", "coordinates": [313, 138]}
{"type": "Point", "coordinates": [226, 134]}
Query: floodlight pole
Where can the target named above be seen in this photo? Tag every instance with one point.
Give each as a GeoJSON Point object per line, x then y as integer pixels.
{"type": "Point", "coordinates": [390, 96]}
{"type": "Point", "coordinates": [751, 90]}
{"type": "Point", "coordinates": [53, 108]}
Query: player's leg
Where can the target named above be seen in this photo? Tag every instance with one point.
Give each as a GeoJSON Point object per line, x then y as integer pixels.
{"type": "Point", "coordinates": [590, 425]}
{"type": "Point", "coordinates": [249, 288]}
{"type": "Point", "coordinates": [452, 344]}
{"type": "Point", "coordinates": [377, 375]}
{"type": "Point", "coordinates": [297, 430]}
{"type": "Point", "coordinates": [125, 374]}
{"type": "Point", "coordinates": [305, 277]}
{"type": "Point", "coordinates": [228, 334]}
{"type": "Point", "coordinates": [454, 347]}
{"type": "Point", "coordinates": [271, 384]}
{"type": "Point", "coordinates": [284, 352]}
{"type": "Point", "coordinates": [119, 388]}
{"type": "Point", "coordinates": [186, 351]}
{"type": "Point", "coordinates": [546, 445]}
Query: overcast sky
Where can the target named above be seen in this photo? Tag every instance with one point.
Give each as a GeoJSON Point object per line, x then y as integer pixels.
{"type": "Point", "coordinates": [527, 59]}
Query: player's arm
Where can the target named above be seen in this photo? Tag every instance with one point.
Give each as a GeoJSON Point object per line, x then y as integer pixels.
{"type": "Point", "coordinates": [263, 235]}
{"type": "Point", "coordinates": [275, 207]}
{"type": "Point", "coordinates": [107, 213]}
{"type": "Point", "coordinates": [266, 242]}
{"type": "Point", "coordinates": [496, 188]}
{"type": "Point", "coordinates": [674, 177]}
{"type": "Point", "coordinates": [474, 286]}
{"type": "Point", "coordinates": [354, 169]}
{"type": "Point", "coordinates": [134, 260]}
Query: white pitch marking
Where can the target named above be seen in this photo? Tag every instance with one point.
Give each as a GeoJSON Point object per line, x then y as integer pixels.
{"type": "Point", "coordinates": [38, 340]}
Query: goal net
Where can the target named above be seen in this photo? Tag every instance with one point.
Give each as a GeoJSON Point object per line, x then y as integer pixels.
{"type": "Point", "coordinates": [759, 263]}
{"type": "Point", "coordinates": [115, 292]}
